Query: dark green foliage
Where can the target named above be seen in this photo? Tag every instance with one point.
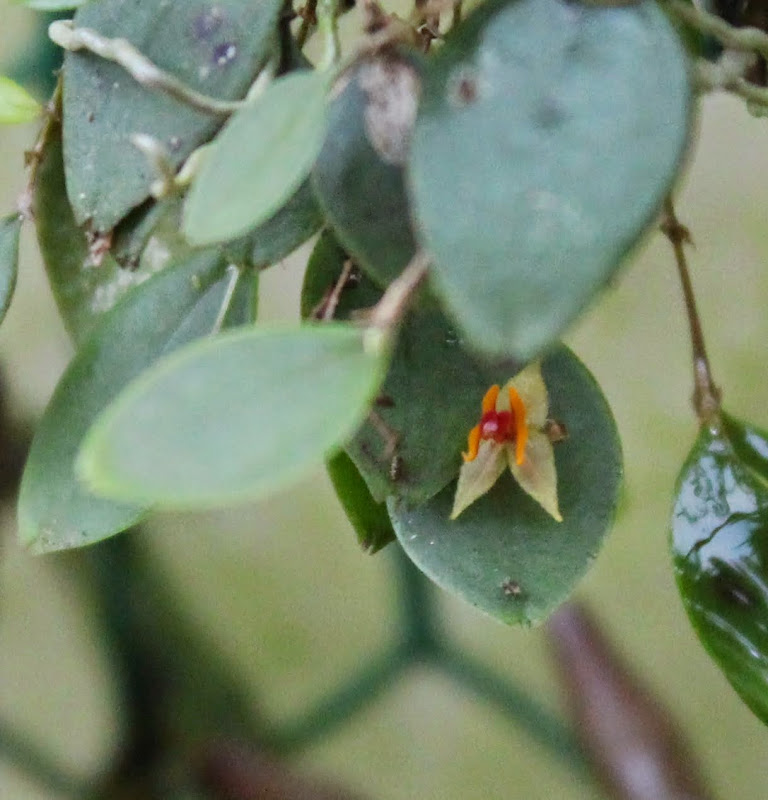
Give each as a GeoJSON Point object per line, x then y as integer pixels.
{"type": "Point", "coordinates": [720, 550]}
{"type": "Point", "coordinates": [216, 49]}
{"type": "Point", "coordinates": [178, 305]}
{"type": "Point", "coordinates": [505, 554]}
{"type": "Point", "coordinates": [362, 188]}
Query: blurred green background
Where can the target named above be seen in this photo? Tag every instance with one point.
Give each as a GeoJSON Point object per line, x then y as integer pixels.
{"type": "Point", "coordinates": [283, 590]}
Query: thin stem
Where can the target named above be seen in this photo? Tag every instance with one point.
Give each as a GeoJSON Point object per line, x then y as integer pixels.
{"type": "Point", "coordinates": [727, 74]}
{"type": "Point", "coordinates": [387, 313]}
{"type": "Point", "coordinates": [337, 708]}
{"type": "Point", "coordinates": [235, 273]}
{"type": "Point", "coordinates": [706, 395]}
{"type": "Point", "coordinates": [516, 703]}
{"type": "Point", "coordinates": [327, 24]}
{"type": "Point", "coordinates": [26, 757]}
{"type": "Point", "coordinates": [418, 615]}
{"type": "Point", "coordinates": [138, 66]}
{"type": "Point", "coordinates": [308, 21]}
{"type": "Point", "coordinates": [748, 38]}
{"type": "Point", "coordinates": [33, 156]}
{"type": "Point", "coordinates": [328, 306]}
{"type": "Point", "coordinates": [159, 162]}
{"type": "Point", "coordinates": [457, 12]}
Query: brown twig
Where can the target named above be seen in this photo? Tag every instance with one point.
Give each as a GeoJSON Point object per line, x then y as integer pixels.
{"type": "Point", "coordinates": [706, 395]}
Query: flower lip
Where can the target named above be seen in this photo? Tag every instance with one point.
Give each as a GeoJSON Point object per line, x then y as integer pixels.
{"type": "Point", "coordinates": [497, 425]}
{"type": "Point", "coordinates": [500, 425]}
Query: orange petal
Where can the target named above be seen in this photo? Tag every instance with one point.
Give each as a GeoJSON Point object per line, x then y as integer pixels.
{"type": "Point", "coordinates": [489, 401]}
{"type": "Point", "coordinates": [529, 384]}
{"type": "Point", "coordinates": [473, 444]}
{"type": "Point", "coordinates": [521, 425]}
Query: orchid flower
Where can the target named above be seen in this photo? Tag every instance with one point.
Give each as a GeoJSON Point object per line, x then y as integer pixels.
{"type": "Point", "coordinates": [511, 432]}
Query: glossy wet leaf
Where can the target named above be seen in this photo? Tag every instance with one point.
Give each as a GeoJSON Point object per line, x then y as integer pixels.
{"type": "Point", "coordinates": [548, 135]}
{"type": "Point", "coordinates": [83, 291]}
{"type": "Point", "coordinates": [505, 554]}
{"type": "Point", "coordinates": [10, 231]}
{"type": "Point", "coordinates": [749, 442]}
{"type": "Point", "coordinates": [359, 176]}
{"type": "Point", "coordinates": [429, 400]}
{"type": "Point", "coordinates": [171, 309]}
{"type": "Point", "coordinates": [16, 104]}
{"type": "Point", "coordinates": [720, 550]}
{"type": "Point", "coordinates": [233, 418]}
{"type": "Point", "coordinates": [259, 159]}
{"type": "Point", "coordinates": [216, 49]}
{"type": "Point", "coordinates": [368, 517]}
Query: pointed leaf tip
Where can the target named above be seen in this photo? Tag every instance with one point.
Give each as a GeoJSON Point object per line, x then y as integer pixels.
{"type": "Point", "coordinates": [16, 104]}
{"type": "Point", "coordinates": [259, 159]}
{"type": "Point", "coordinates": [233, 418]}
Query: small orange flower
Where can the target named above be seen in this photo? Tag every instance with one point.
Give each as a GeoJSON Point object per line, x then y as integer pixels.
{"type": "Point", "coordinates": [511, 433]}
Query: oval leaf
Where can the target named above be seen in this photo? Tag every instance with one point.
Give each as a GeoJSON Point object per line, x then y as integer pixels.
{"type": "Point", "coordinates": [505, 554]}
{"type": "Point", "coordinates": [369, 518]}
{"type": "Point", "coordinates": [542, 150]}
{"type": "Point", "coordinates": [369, 130]}
{"type": "Point", "coordinates": [216, 49]}
{"type": "Point", "coordinates": [180, 304]}
{"type": "Point", "coordinates": [16, 104]}
{"type": "Point", "coordinates": [720, 550]}
{"type": "Point", "coordinates": [10, 231]}
{"type": "Point", "coordinates": [259, 159]}
{"type": "Point", "coordinates": [409, 445]}
{"type": "Point", "coordinates": [232, 419]}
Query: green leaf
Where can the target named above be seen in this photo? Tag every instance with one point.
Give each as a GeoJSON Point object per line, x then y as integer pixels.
{"type": "Point", "coordinates": [16, 104]}
{"type": "Point", "coordinates": [750, 444]}
{"type": "Point", "coordinates": [233, 418]}
{"type": "Point", "coordinates": [216, 49]}
{"type": "Point", "coordinates": [166, 312]}
{"type": "Point", "coordinates": [10, 231]}
{"type": "Point", "coordinates": [720, 551]}
{"type": "Point", "coordinates": [369, 518]}
{"type": "Point", "coordinates": [548, 135]}
{"type": "Point", "coordinates": [429, 400]}
{"type": "Point", "coordinates": [369, 129]}
{"type": "Point", "coordinates": [83, 291]}
{"type": "Point", "coordinates": [505, 554]}
{"type": "Point", "coordinates": [258, 160]}
{"type": "Point", "coordinates": [291, 226]}
{"type": "Point", "coordinates": [51, 5]}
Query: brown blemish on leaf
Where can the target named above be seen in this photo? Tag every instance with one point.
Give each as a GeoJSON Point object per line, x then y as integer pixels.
{"type": "Point", "coordinates": [392, 88]}
{"type": "Point", "coordinates": [463, 87]}
{"type": "Point", "coordinates": [556, 431]}
{"type": "Point", "coordinates": [99, 244]}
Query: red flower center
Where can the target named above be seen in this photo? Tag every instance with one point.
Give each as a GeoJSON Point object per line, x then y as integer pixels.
{"type": "Point", "coordinates": [498, 425]}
